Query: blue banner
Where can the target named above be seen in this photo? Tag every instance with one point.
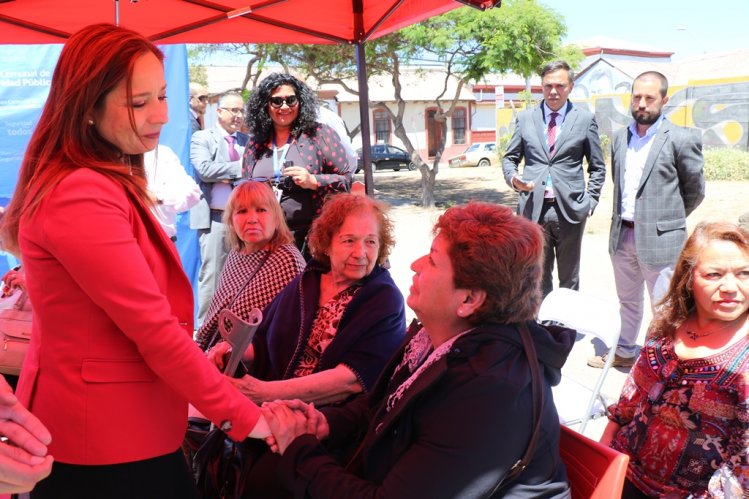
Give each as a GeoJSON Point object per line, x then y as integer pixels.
{"type": "Point", "coordinates": [25, 78]}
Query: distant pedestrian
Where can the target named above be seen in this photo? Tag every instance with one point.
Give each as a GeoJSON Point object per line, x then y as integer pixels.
{"type": "Point", "coordinates": [553, 139]}
{"type": "Point", "coordinates": [657, 168]}
{"type": "Point", "coordinates": [198, 103]}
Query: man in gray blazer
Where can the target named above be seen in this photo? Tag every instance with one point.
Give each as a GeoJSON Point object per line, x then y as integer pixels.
{"type": "Point", "coordinates": [657, 170]}
{"type": "Point", "coordinates": [198, 103]}
{"type": "Point", "coordinates": [216, 157]}
{"type": "Point", "coordinates": [553, 139]}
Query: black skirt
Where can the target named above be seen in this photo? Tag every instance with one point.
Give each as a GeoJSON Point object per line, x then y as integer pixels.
{"type": "Point", "coordinates": [163, 477]}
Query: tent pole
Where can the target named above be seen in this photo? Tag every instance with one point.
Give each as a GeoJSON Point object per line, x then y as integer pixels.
{"type": "Point", "coordinates": [366, 150]}
{"type": "Point", "coordinates": [116, 12]}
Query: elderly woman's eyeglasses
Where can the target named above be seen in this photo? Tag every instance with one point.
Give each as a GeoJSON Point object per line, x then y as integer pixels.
{"type": "Point", "coordinates": [278, 102]}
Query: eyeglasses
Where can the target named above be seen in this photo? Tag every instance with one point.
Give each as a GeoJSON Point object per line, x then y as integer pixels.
{"type": "Point", "coordinates": [234, 110]}
{"type": "Point", "coordinates": [201, 98]}
{"type": "Point", "coordinates": [278, 102]}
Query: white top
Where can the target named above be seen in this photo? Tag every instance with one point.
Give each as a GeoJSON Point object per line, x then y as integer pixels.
{"type": "Point", "coordinates": [637, 153]}
{"type": "Point", "coordinates": [328, 117]}
{"type": "Point", "coordinates": [173, 187]}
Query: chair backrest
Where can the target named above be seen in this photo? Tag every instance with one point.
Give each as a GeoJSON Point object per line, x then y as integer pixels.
{"type": "Point", "coordinates": [593, 470]}
{"type": "Point", "coordinates": [588, 314]}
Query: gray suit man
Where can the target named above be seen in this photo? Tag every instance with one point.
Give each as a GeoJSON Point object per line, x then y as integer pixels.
{"type": "Point", "coordinates": [553, 139]}
{"type": "Point", "coordinates": [657, 169]}
{"type": "Point", "coordinates": [215, 166]}
{"type": "Point", "coordinates": [198, 103]}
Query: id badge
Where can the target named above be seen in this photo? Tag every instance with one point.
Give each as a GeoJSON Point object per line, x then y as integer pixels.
{"type": "Point", "coordinates": [278, 193]}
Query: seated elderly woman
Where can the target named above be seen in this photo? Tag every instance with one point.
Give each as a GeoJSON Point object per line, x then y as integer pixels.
{"type": "Point", "coordinates": [262, 258]}
{"type": "Point", "coordinates": [453, 410]}
{"type": "Point", "coordinates": [329, 333]}
{"type": "Point", "coordinates": [683, 415]}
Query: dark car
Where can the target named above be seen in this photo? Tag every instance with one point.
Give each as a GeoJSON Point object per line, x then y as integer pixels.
{"type": "Point", "coordinates": [387, 156]}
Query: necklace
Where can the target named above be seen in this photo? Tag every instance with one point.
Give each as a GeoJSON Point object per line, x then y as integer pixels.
{"type": "Point", "coordinates": [695, 335]}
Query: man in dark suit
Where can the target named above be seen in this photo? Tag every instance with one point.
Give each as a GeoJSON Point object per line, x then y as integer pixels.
{"type": "Point", "coordinates": [198, 103]}
{"type": "Point", "coordinates": [657, 170]}
{"type": "Point", "coordinates": [216, 157]}
{"type": "Point", "coordinates": [553, 139]}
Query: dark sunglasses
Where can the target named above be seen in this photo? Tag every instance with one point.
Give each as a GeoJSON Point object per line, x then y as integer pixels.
{"type": "Point", "coordinates": [201, 98]}
{"type": "Point", "coordinates": [277, 102]}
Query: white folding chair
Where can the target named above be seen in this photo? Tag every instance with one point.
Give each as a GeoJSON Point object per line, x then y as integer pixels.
{"type": "Point", "coordinates": [588, 315]}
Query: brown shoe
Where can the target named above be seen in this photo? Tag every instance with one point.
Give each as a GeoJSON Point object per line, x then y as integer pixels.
{"type": "Point", "coordinates": [598, 361]}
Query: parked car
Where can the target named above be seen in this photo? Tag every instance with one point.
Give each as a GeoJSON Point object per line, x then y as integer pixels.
{"type": "Point", "coordinates": [477, 154]}
{"type": "Point", "coordinates": [386, 156]}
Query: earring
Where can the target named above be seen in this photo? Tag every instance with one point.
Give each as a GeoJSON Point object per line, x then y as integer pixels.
{"type": "Point", "coordinates": [90, 122]}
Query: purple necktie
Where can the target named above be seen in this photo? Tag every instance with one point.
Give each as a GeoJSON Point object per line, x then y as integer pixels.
{"type": "Point", "coordinates": [233, 153]}
{"type": "Point", "coordinates": [551, 132]}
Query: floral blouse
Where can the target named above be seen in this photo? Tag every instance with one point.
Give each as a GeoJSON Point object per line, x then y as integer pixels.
{"type": "Point", "coordinates": [685, 423]}
{"type": "Point", "coordinates": [324, 329]}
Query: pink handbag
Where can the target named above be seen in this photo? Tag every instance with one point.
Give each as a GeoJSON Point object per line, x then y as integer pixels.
{"type": "Point", "coordinates": [15, 331]}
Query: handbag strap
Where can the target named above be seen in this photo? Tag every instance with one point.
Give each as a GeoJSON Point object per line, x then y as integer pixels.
{"type": "Point", "coordinates": [260, 264]}
{"type": "Point", "coordinates": [538, 403]}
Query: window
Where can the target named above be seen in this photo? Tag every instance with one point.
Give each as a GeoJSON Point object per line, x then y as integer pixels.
{"type": "Point", "coordinates": [459, 126]}
{"type": "Point", "coordinates": [382, 126]}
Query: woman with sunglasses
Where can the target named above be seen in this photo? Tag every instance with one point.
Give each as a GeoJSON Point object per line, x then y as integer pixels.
{"type": "Point", "coordinates": [305, 159]}
{"type": "Point", "coordinates": [683, 415]}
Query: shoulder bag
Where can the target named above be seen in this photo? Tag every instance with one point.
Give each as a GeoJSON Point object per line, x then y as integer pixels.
{"type": "Point", "coordinates": [15, 331]}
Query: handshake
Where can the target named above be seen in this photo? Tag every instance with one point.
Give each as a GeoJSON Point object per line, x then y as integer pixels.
{"type": "Point", "coordinates": [289, 419]}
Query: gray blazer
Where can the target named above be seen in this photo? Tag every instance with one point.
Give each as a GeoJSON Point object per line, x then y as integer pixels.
{"type": "Point", "coordinates": [209, 155]}
{"type": "Point", "coordinates": [671, 187]}
{"type": "Point", "coordinates": [577, 139]}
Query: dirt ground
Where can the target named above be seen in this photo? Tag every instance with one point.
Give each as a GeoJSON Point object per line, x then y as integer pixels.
{"type": "Point", "coordinates": [723, 200]}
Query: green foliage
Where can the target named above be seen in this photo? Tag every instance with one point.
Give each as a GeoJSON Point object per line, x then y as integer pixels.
{"type": "Point", "coordinates": [523, 35]}
{"type": "Point", "coordinates": [605, 146]}
{"type": "Point", "coordinates": [502, 144]}
{"type": "Point", "coordinates": [198, 74]}
{"type": "Point", "coordinates": [726, 163]}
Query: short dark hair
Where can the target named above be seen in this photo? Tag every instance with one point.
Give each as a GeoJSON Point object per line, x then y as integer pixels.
{"type": "Point", "coordinates": [653, 74]}
{"type": "Point", "coordinates": [499, 252]}
{"type": "Point", "coordinates": [556, 66]}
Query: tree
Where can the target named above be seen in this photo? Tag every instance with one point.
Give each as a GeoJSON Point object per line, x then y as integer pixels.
{"type": "Point", "coordinates": [468, 43]}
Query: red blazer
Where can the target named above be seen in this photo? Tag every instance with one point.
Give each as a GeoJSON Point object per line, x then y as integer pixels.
{"type": "Point", "coordinates": [112, 364]}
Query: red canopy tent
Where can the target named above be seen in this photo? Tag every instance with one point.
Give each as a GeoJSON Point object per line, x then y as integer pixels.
{"type": "Point", "coordinates": [202, 21]}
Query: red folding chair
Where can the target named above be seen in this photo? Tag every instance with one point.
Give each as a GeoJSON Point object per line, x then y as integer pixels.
{"type": "Point", "coordinates": [593, 470]}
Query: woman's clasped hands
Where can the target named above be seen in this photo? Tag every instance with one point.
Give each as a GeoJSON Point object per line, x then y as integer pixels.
{"type": "Point", "coordinates": [289, 419]}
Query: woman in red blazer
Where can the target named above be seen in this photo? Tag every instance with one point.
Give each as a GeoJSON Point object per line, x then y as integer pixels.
{"type": "Point", "coordinates": [112, 365]}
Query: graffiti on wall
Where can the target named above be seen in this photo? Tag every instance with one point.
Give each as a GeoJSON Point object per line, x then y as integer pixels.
{"type": "Point", "coordinates": [718, 108]}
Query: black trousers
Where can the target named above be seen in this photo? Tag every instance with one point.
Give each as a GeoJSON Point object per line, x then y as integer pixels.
{"type": "Point", "coordinates": [162, 477]}
{"type": "Point", "coordinates": [563, 241]}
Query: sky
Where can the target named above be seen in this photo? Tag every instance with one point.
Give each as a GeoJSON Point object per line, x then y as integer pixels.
{"type": "Point", "coordinates": [689, 28]}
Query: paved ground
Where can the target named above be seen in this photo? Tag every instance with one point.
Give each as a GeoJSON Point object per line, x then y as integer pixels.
{"type": "Point", "coordinates": [413, 224]}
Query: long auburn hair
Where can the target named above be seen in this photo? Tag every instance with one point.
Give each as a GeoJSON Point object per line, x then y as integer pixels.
{"type": "Point", "coordinates": [676, 306]}
{"type": "Point", "coordinates": [93, 62]}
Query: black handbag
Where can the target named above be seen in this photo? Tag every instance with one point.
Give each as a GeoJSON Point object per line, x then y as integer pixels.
{"type": "Point", "coordinates": [219, 464]}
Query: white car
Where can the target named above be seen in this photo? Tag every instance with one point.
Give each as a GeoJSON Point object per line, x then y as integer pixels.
{"type": "Point", "coordinates": [477, 154]}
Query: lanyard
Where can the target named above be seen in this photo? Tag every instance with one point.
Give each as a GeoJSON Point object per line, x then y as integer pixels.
{"type": "Point", "coordinates": [278, 162]}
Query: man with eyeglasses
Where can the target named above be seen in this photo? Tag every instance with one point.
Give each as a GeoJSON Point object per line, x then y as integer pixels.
{"type": "Point", "coordinates": [215, 154]}
{"type": "Point", "coordinates": [198, 103]}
